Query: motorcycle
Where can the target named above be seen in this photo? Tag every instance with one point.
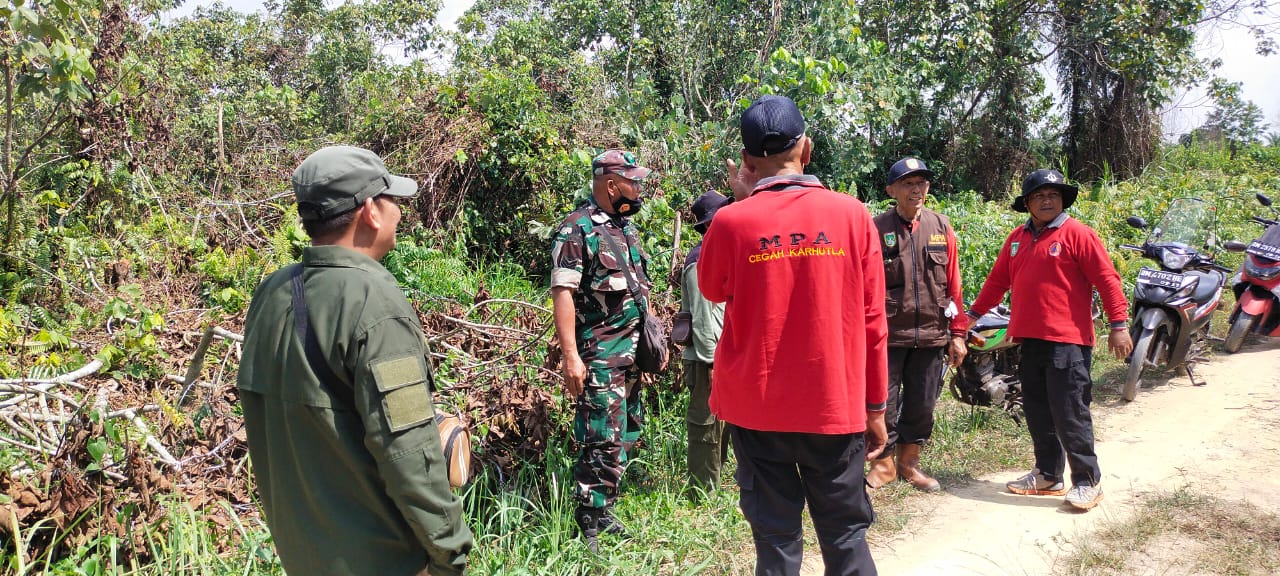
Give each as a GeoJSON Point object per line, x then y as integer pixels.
{"type": "Point", "coordinates": [1257, 283]}
{"type": "Point", "coordinates": [1172, 305]}
{"type": "Point", "coordinates": [988, 375]}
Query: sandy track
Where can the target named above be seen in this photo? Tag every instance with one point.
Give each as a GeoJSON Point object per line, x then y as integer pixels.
{"type": "Point", "coordinates": [1222, 439]}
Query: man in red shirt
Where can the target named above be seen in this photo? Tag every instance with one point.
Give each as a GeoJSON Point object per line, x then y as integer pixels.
{"type": "Point", "coordinates": [922, 302]}
{"type": "Point", "coordinates": [1050, 267]}
{"type": "Point", "coordinates": [800, 370]}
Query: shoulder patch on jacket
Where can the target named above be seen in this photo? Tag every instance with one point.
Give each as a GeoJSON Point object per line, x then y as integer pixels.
{"type": "Point", "coordinates": [406, 398]}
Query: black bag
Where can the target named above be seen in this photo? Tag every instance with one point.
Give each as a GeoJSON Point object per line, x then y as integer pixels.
{"type": "Point", "coordinates": [682, 328]}
{"type": "Point", "coordinates": [651, 353]}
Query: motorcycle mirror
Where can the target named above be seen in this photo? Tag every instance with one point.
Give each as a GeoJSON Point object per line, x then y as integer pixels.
{"type": "Point", "coordinates": [1234, 246]}
{"type": "Point", "coordinates": [1262, 199]}
{"type": "Point", "coordinates": [1136, 222]}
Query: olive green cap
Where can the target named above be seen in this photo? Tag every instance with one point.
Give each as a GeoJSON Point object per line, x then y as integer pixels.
{"type": "Point", "coordinates": [338, 179]}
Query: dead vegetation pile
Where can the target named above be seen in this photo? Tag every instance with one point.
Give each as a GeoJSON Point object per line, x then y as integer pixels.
{"type": "Point", "coordinates": [107, 456]}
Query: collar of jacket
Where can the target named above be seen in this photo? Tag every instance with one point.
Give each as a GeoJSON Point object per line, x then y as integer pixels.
{"type": "Point", "coordinates": [787, 182]}
{"type": "Point", "coordinates": [338, 257]}
{"type": "Point", "coordinates": [1056, 223]}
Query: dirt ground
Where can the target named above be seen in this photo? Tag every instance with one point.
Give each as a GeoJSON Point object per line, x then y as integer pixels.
{"type": "Point", "coordinates": [1220, 439]}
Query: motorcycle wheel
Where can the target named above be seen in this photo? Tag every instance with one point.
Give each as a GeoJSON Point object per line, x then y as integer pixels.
{"type": "Point", "coordinates": [1239, 329]}
{"type": "Point", "coordinates": [1137, 363]}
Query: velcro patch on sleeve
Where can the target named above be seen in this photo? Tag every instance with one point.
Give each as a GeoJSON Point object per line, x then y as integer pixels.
{"type": "Point", "coordinates": [398, 373]}
{"type": "Point", "coordinates": [408, 407]}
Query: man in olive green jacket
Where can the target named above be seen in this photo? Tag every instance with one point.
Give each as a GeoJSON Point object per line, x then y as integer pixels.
{"type": "Point", "coordinates": [708, 437]}
{"type": "Point", "coordinates": [339, 415]}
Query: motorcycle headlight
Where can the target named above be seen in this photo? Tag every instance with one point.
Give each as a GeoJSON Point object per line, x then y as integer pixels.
{"type": "Point", "coordinates": [1260, 272]}
{"type": "Point", "coordinates": [1174, 259]}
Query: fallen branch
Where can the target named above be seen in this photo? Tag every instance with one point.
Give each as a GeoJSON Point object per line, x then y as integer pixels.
{"type": "Point", "coordinates": [227, 335]}
{"type": "Point", "coordinates": [69, 378]}
{"type": "Point", "coordinates": [65, 419]}
{"type": "Point", "coordinates": [150, 441]}
{"type": "Point", "coordinates": [32, 391]}
{"type": "Point", "coordinates": [506, 300]}
{"type": "Point", "coordinates": [213, 451]}
{"type": "Point", "coordinates": [25, 446]}
{"type": "Point", "coordinates": [485, 327]}
{"type": "Point", "coordinates": [197, 364]}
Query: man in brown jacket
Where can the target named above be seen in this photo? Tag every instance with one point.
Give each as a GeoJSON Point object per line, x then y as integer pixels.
{"type": "Point", "coordinates": [922, 302]}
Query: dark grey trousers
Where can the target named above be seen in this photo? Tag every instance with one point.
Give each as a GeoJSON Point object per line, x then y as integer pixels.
{"type": "Point", "coordinates": [778, 472]}
{"type": "Point", "coordinates": [915, 380]}
{"type": "Point", "coordinates": [1056, 392]}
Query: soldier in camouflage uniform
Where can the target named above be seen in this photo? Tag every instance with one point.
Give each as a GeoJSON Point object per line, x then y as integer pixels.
{"type": "Point", "coordinates": [598, 325]}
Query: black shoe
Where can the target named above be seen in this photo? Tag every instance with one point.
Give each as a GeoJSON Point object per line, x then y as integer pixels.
{"type": "Point", "coordinates": [610, 525]}
{"type": "Point", "coordinates": [588, 520]}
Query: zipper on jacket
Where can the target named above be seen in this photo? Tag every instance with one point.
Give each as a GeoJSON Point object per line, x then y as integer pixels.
{"type": "Point", "coordinates": [915, 281]}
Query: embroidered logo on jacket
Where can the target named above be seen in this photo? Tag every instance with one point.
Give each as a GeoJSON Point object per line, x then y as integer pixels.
{"type": "Point", "coordinates": [1055, 249]}
{"type": "Point", "coordinates": [1013, 249]}
{"type": "Point", "coordinates": [891, 239]}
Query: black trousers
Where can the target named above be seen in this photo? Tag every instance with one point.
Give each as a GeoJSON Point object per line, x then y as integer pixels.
{"type": "Point", "coordinates": [1056, 392]}
{"type": "Point", "coordinates": [915, 380]}
{"type": "Point", "coordinates": [778, 472]}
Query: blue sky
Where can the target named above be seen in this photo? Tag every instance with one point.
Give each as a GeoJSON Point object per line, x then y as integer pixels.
{"type": "Point", "coordinates": [1260, 75]}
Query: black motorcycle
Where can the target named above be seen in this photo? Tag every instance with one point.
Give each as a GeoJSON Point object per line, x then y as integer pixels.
{"type": "Point", "coordinates": [988, 375]}
{"type": "Point", "coordinates": [1172, 305]}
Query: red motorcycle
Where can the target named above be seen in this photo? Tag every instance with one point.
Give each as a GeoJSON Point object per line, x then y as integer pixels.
{"type": "Point", "coordinates": [1257, 284]}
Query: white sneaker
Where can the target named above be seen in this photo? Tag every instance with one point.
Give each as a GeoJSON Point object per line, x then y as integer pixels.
{"type": "Point", "coordinates": [1084, 496]}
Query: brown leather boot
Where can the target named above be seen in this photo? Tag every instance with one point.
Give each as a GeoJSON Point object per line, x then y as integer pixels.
{"type": "Point", "coordinates": [909, 465]}
{"type": "Point", "coordinates": [882, 471]}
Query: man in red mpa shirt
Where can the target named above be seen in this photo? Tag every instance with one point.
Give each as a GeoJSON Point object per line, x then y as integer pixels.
{"type": "Point", "coordinates": [800, 370]}
{"type": "Point", "coordinates": [1049, 267]}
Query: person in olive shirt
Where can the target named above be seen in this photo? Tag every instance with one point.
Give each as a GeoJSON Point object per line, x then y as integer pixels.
{"type": "Point", "coordinates": [339, 416]}
{"type": "Point", "coordinates": [708, 437]}
{"type": "Point", "coordinates": [923, 300]}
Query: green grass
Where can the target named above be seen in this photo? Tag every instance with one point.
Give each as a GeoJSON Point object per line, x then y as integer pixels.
{"type": "Point", "coordinates": [181, 542]}
{"type": "Point", "coordinates": [1190, 532]}
{"type": "Point", "coordinates": [525, 525]}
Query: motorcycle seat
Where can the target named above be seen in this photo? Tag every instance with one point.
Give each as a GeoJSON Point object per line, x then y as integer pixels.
{"type": "Point", "coordinates": [993, 320]}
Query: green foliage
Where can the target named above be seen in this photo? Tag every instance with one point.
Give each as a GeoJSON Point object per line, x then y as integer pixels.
{"type": "Point", "coordinates": [1236, 120]}
{"type": "Point", "coordinates": [146, 174]}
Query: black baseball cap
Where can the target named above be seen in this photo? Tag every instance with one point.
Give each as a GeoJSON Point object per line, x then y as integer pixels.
{"type": "Point", "coordinates": [1040, 179]}
{"type": "Point", "coordinates": [771, 125]}
{"type": "Point", "coordinates": [704, 209]}
{"type": "Point", "coordinates": [338, 179]}
{"type": "Point", "coordinates": [909, 166]}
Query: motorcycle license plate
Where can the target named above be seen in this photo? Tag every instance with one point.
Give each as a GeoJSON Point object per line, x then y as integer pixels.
{"type": "Point", "coordinates": [1160, 278]}
{"type": "Point", "coordinates": [1263, 250]}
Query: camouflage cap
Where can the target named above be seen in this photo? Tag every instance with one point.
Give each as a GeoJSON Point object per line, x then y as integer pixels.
{"type": "Point", "coordinates": [618, 162]}
{"type": "Point", "coordinates": [338, 179]}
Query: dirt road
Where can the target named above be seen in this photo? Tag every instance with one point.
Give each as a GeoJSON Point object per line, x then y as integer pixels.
{"type": "Point", "coordinates": [1220, 439]}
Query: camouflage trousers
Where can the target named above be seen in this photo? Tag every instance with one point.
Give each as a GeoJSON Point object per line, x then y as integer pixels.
{"type": "Point", "coordinates": [606, 425]}
{"type": "Point", "coordinates": [708, 435]}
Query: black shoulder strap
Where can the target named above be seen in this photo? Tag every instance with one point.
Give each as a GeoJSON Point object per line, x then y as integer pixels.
{"type": "Point", "coordinates": [626, 269]}
{"type": "Point", "coordinates": [302, 325]}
